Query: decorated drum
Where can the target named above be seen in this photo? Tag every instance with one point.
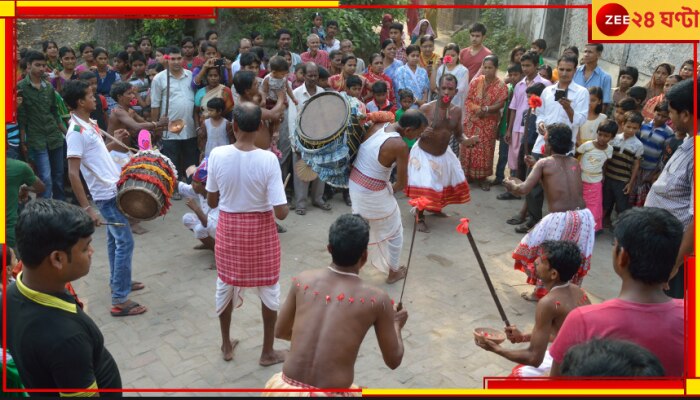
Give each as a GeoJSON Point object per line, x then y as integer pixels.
{"type": "Point", "coordinates": [322, 120]}
{"type": "Point", "coordinates": [146, 184]}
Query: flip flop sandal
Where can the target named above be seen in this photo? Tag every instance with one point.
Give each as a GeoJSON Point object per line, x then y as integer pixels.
{"type": "Point", "coordinates": [126, 310]}
{"type": "Point", "coordinates": [322, 206]}
{"type": "Point", "coordinates": [300, 211]}
{"type": "Point", "coordinates": [137, 286]}
{"type": "Point", "coordinates": [515, 220]}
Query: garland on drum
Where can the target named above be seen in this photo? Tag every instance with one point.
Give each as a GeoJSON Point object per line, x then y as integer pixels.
{"type": "Point", "coordinates": [144, 161]}
{"type": "Point", "coordinates": [158, 171]}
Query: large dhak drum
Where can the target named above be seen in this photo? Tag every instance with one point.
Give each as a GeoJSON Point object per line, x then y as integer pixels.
{"type": "Point", "coordinates": [146, 184]}
{"type": "Point", "coordinates": [328, 136]}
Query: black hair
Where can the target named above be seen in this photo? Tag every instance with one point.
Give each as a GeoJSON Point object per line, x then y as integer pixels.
{"type": "Point", "coordinates": [161, 50]}
{"type": "Point", "coordinates": [516, 49]}
{"type": "Point", "coordinates": [687, 62]}
{"type": "Point", "coordinates": [48, 225]}
{"type": "Point", "coordinates": [627, 104]}
{"type": "Point", "coordinates": [157, 66]}
{"type": "Point", "coordinates": [386, 43]}
{"type": "Point", "coordinates": [254, 34]}
{"type": "Point", "coordinates": [249, 58]}
{"type": "Point", "coordinates": [680, 96]}
{"type": "Point", "coordinates": [638, 93]}
{"type": "Point", "coordinates": [348, 237]}
{"type": "Point", "coordinates": [281, 32]}
{"type": "Point", "coordinates": [413, 119]}
{"type": "Point", "coordinates": [628, 70]}
{"type": "Point", "coordinates": [76, 90]}
{"type": "Point", "coordinates": [651, 237]}
{"type": "Point", "coordinates": [559, 138]}
{"type": "Point", "coordinates": [397, 26]}
{"type": "Point", "coordinates": [448, 77]}
{"type": "Point", "coordinates": [86, 76]}
{"type": "Point", "coordinates": [126, 46]}
{"type": "Point", "coordinates": [347, 57]}
{"type": "Point", "coordinates": [187, 39]}
{"type": "Point", "coordinates": [323, 73]}
{"type": "Point", "coordinates": [668, 67]}
{"type": "Point", "coordinates": [332, 23]}
{"type": "Point", "coordinates": [573, 49]}
{"type": "Point", "coordinates": [217, 103]}
{"type": "Point", "coordinates": [124, 56]}
{"type": "Point", "coordinates": [597, 92]}
{"type": "Point", "coordinates": [478, 27]}
{"type": "Point", "coordinates": [406, 94]}
{"type": "Point", "coordinates": [207, 45]}
{"type": "Point", "coordinates": [536, 89]}
{"type": "Point", "coordinates": [118, 89]}
{"type": "Point", "coordinates": [84, 46]}
{"type": "Point", "coordinates": [491, 57]}
{"type": "Point", "coordinates": [243, 80]}
{"type": "Point", "coordinates": [563, 256]}
{"type": "Point", "coordinates": [99, 50]}
{"type": "Point", "coordinates": [677, 77]}
{"type": "Point", "coordinates": [247, 116]}
{"type": "Point", "coordinates": [334, 53]}
{"type": "Point", "coordinates": [427, 38]}
{"type": "Point", "coordinates": [379, 87]}
{"type": "Point", "coordinates": [515, 67]}
{"type": "Point", "coordinates": [208, 34]}
{"type": "Point", "coordinates": [598, 46]}
{"type": "Point", "coordinates": [278, 64]}
{"type": "Point", "coordinates": [353, 80]}
{"type": "Point", "coordinates": [608, 357]}
{"type": "Point", "coordinates": [530, 56]}
{"type": "Point", "coordinates": [568, 59]}
{"type": "Point", "coordinates": [316, 14]}
{"type": "Point", "coordinates": [33, 55]}
{"type": "Point", "coordinates": [412, 49]}
{"type": "Point", "coordinates": [258, 51]}
{"type": "Point", "coordinates": [137, 56]}
{"type": "Point", "coordinates": [541, 43]}
{"type": "Point", "coordinates": [373, 56]}
{"type": "Point", "coordinates": [450, 46]}
{"type": "Point", "coordinates": [173, 50]}
{"type": "Point", "coordinates": [283, 53]}
{"type": "Point", "coordinates": [65, 50]}
{"type": "Point", "coordinates": [299, 67]}
{"type": "Point", "coordinates": [142, 39]}
{"type": "Point", "coordinates": [661, 106]}
{"type": "Point", "coordinates": [634, 117]}
{"type": "Point", "coordinates": [609, 126]}
{"type": "Point", "coordinates": [45, 44]}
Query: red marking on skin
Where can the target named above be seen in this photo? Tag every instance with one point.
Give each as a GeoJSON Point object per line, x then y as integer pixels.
{"type": "Point", "coordinates": [557, 304]}
{"type": "Point", "coordinates": [328, 299]}
{"type": "Point", "coordinates": [294, 279]}
{"type": "Point", "coordinates": [351, 300]}
{"type": "Point", "coordinates": [392, 302]}
{"type": "Point", "coordinates": [340, 297]}
{"type": "Point", "coordinates": [298, 284]}
{"type": "Point", "coordinates": [362, 300]}
{"type": "Point", "coordinates": [315, 293]}
{"type": "Point", "coordinates": [306, 287]}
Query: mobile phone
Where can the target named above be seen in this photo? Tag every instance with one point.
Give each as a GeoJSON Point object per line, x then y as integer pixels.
{"type": "Point", "coordinates": [219, 62]}
{"type": "Point", "coordinates": [559, 94]}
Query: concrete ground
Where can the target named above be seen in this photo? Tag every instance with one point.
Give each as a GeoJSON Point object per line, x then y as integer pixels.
{"type": "Point", "coordinates": [176, 343]}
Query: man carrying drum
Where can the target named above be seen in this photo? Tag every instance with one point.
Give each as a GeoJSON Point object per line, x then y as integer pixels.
{"type": "Point", "coordinates": [87, 153]}
{"type": "Point", "coordinates": [373, 195]}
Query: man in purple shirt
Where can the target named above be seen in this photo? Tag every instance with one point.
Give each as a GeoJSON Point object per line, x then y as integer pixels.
{"type": "Point", "coordinates": [589, 74]}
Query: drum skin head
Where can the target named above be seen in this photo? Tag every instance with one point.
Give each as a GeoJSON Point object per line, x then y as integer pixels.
{"type": "Point", "coordinates": [323, 115]}
{"type": "Point", "coordinates": [139, 203]}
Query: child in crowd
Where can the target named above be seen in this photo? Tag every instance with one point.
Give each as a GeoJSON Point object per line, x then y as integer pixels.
{"type": "Point", "coordinates": [380, 101]}
{"type": "Point", "coordinates": [203, 219]}
{"type": "Point", "coordinates": [317, 28]}
{"type": "Point", "coordinates": [545, 71]}
{"type": "Point", "coordinates": [406, 101]}
{"type": "Point", "coordinates": [274, 82]}
{"type": "Point", "coordinates": [353, 88]}
{"type": "Point", "coordinates": [100, 113]}
{"type": "Point", "coordinates": [594, 155]}
{"type": "Point", "coordinates": [588, 130]}
{"type": "Point", "coordinates": [141, 83]}
{"type": "Point", "coordinates": [621, 108]}
{"type": "Point", "coordinates": [539, 46]}
{"type": "Point", "coordinates": [216, 130]}
{"type": "Point", "coordinates": [639, 94]}
{"type": "Point", "coordinates": [323, 76]}
{"type": "Point", "coordinates": [626, 79]}
{"type": "Point", "coordinates": [298, 78]}
{"type": "Point", "coordinates": [653, 135]}
{"type": "Point", "coordinates": [514, 75]}
{"type": "Point", "coordinates": [622, 169]}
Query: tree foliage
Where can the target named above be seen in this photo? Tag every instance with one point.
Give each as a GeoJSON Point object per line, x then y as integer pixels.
{"type": "Point", "coordinates": [162, 32]}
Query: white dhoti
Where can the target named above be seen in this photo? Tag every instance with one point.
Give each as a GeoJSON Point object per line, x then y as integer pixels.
{"type": "Point", "coordinates": [527, 371]}
{"type": "Point", "coordinates": [192, 222]}
{"type": "Point", "coordinates": [225, 293]}
{"type": "Point", "coordinates": [440, 179]}
{"type": "Point", "coordinates": [382, 212]}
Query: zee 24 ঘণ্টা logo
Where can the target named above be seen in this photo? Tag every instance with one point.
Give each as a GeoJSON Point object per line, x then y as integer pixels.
{"type": "Point", "coordinates": [612, 19]}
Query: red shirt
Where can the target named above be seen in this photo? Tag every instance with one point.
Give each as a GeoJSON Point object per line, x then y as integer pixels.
{"type": "Point", "coordinates": [473, 62]}
{"type": "Point", "coordinates": [657, 327]}
{"type": "Point", "coordinates": [321, 58]}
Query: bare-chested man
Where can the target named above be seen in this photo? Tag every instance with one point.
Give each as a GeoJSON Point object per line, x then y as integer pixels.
{"type": "Point", "coordinates": [568, 217]}
{"type": "Point", "coordinates": [557, 263]}
{"type": "Point", "coordinates": [246, 85]}
{"type": "Point", "coordinates": [434, 171]}
{"type": "Point", "coordinates": [124, 117]}
{"type": "Point", "coordinates": [373, 195]}
{"type": "Point", "coordinates": [328, 313]}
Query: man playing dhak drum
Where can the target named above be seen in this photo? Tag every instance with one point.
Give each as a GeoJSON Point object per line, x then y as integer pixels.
{"type": "Point", "coordinates": [87, 153]}
{"type": "Point", "coordinates": [434, 170]}
{"type": "Point", "coordinates": [373, 195]}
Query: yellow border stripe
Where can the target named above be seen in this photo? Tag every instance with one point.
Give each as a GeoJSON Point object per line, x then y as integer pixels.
{"type": "Point", "coordinates": [485, 392]}
{"type": "Point", "coordinates": [178, 3]}
{"type": "Point", "coordinates": [4, 127]}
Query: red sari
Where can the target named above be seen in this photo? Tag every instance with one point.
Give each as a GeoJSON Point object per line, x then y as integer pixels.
{"type": "Point", "coordinates": [371, 78]}
{"type": "Point", "coordinates": [337, 82]}
{"type": "Point", "coordinates": [477, 161]}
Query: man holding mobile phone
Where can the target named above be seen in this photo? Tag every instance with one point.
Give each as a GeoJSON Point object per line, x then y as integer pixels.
{"type": "Point", "coordinates": [565, 102]}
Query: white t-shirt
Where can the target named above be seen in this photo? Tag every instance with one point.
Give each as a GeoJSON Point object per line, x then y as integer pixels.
{"type": "Point", "coordinates": [247, 181]}
{"type": "Point", "coordinates": [101, 173]}
{"type": "Point", "coordinates": [592, 160]}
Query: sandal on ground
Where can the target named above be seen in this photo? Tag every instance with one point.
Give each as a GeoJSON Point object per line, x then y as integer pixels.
{"type": "Point", "coordinates": [130, 308]}
{"type": "Point", "coordinates": [524, 228]}
{"type": "Point", "coordinates": [507, 196]}
{"type": "Point", "coordinates": [516, 220]}
{"type": "Point", "coordinates": [300, 211]}
{"type": "Point", "coordinates": [484, 186]}
{"type": "Point", "coordinates": [137, 286]}
{"type": "Point", "coordinates": [322, 206]}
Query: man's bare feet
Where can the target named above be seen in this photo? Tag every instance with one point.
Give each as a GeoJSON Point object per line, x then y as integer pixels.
{"type": "Point", "coordinates": [229, 348]}
{"type": "Point", "coordinates": [137, 229]}
{"type": "Point", "coordinates": [529, 296]}
{"type": "Point", "coordinates": [276, 357]}
{"type": "Point", "coordinates": [422, 226]}
{"type": "Point", "coordinates": [200, 246]}
{"type": "Point", "coordinates": [395, 276]}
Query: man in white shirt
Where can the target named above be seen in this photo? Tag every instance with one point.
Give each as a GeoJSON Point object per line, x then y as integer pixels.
{"type": "Point", "coordinates": [245, 183]}
{"type": "Point", "coordinates": [181, 147]}
{"type": "Point", "coordinates": [566, 103]}
{"type": "Point", "coordinates": [243, 47]}
{"type": "Point", "coordinates": [301, 189]}
{"type": "Point", "coordinates": [87, 153]}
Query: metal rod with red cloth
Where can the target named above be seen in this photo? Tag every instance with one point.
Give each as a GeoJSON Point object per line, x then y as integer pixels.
{"type": "Point", "coordinates": [419, 204]}
{"type": "Point", "coordinates": [463, 228]}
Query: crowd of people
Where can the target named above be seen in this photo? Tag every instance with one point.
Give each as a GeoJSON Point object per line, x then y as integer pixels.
{"type": "Point", "coordinates": [604, 157]}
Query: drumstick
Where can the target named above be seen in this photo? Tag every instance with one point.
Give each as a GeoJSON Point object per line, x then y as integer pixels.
{"type": "Point", "coordinates": [117, 224]}
{"type": "Point", "coordinates": [286, 180]}
{"type": "Point", "coordinates": [118, 141]}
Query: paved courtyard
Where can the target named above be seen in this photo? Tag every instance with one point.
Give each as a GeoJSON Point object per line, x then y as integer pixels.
{"type": "Point", "coordinates": [176, 343]}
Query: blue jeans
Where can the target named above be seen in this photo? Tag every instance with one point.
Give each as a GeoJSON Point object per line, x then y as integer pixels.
{"type": "Point", "coordinates": [13, 152]}
{"type": "Point", "coordinates": [49, 167]}
{"type": "Point", "coordinates": [120, 246]}
{"type": "Point", "coordinates": [502, 160]}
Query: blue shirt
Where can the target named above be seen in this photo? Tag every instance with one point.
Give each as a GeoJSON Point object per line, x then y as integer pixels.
{"type": "Point", "coordinates": [653, 139]}
{"type": "Point", "coordinates": [598, 78]}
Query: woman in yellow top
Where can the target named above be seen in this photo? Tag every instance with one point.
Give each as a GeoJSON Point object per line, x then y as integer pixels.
{"type": "Point", "coordinates": [430, 61]}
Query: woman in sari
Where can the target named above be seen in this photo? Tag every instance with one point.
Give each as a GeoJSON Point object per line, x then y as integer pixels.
{"type": "Point", "coordinates": [213, 89]}
{"type": "Point", "coordinates": [53, 61]}
{"type": "Point", "coordinates": [648, 110]}
{"type": "Point", "coordinates": [375, 73]}
{"type": "Point", "coordinates": [86, 53]}
{"type": "Point", "coordinates": [68, 60]}
{"type": "Point", "coordinates": [485, 99]}
{"type": "Point", "coordinates": [391, 64]}
{"type": "Point", "coordinates": [337, 82]}
{"type": "Point", "coordinates": [429, 60]}
{"type": "Point", "coordinates": [422, 28]}
{"type": "Point", "coordinates": [656, 84]}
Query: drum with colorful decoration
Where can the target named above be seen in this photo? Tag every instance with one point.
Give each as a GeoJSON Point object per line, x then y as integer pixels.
{"type": "Point", "coordinates": [147, 182]}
